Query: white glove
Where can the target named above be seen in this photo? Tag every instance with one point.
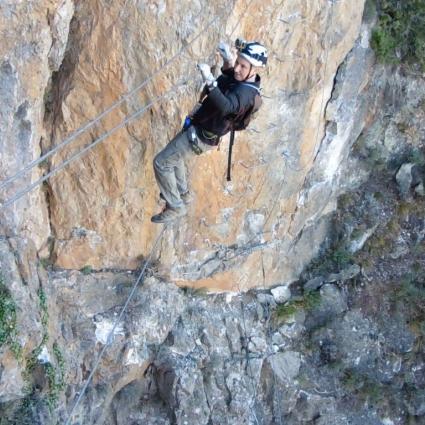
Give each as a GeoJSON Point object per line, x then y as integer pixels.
{"type": "Point", "coordinates": [206, 73]}
{"type": "Point", "coordinates": [225, 52]}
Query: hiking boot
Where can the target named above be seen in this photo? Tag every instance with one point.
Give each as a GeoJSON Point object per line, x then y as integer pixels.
{"type": "Point", "coordinates": [169, 214]}
{"type": "Point", "coordinates": [186, 197]}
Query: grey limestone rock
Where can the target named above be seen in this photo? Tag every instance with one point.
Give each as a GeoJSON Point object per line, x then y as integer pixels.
{"type": "Point", "coordinates": [266, 299]}
{"type": "Point", "coordinates": [357, 243]}
{"type": "Point", "coordinates": [331, 304]}
{"type": "Point", "coordinates": [314, 283]}
{"type": "Point", "coordinates": [416, 404]}
{"type": "Point", "coordinates": [157, 308]}
{"type": "Point", "coordinates": [285, 365]}
{"type": "Point", "coordinates": [419, 189]}
{"type": "Point", "coordinates": [404, 178]}
{"type": "Point", "coordinates": [281, 294]}
{"type": "Point", "coordinates": [21, 283]}
{"type": "Point", "coordinates": [345, 274]}
{"type": "Point", "coordinates": [312, 406]}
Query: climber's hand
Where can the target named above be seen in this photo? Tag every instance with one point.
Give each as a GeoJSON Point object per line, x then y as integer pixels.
{"type": "Point", "coordinates": [225, 52]}
{"type": "Point", "coordinates": [206, 73]}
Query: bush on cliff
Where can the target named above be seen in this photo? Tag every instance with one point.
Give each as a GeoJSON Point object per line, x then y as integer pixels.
{"type": "Point", "coordinates": [399, 36]}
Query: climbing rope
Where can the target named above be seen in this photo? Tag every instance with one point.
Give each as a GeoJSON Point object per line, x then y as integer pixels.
{"type": "Point", "coordinates": [111, 333]}
{"type": "Point", "coordinates": [113, 106]}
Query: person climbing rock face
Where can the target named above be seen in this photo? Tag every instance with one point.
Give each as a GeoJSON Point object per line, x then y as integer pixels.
{"type": "Point", "coordinates": [223, 101]}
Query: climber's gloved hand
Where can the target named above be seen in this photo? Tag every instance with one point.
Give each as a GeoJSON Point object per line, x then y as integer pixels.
{"type": "Point", "coordinates": [225, 52]}
{"type": "Point", "coordinates": [206, 73]}
{"type": "Point", "coordinates": [240, 43]}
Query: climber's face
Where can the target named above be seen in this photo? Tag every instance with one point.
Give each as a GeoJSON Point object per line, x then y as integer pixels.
{"type": "Point", "coordinates": [243, 69]}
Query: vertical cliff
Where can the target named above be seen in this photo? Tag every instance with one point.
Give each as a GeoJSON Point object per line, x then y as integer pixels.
{"type": "Point", "coordinates": [99, 206]}
{"type": "Point", "coordinates": [333, 166]}
{"type": "Point", "coordinates": [34, 36]}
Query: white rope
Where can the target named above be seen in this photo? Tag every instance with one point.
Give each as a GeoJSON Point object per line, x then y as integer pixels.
{"type": "Point", "coordinates": [103, 114]}
{"type": "Point", "coordinates": [111, 333]}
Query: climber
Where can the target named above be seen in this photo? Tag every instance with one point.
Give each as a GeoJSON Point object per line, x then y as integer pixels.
{"type": "Point", "coordinates": [232, 95]}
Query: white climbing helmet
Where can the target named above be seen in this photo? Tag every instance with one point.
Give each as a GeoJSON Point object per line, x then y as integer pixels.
{"type": "Point", "coordinates": [255, 53]}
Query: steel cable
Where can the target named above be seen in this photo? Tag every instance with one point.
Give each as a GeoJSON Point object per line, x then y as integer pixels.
{"type": "Point", "coordinates": [91, 123]}
{"type": "Point", "coordinates": [76, 155]}
{"type": "Point", "coordinates": [111, 333]}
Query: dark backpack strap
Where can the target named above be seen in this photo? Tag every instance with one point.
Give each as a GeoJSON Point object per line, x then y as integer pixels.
{"type": "Point", "coordinates": [253, 86]}
{"type": "Point", "coordinates": [229, 158]}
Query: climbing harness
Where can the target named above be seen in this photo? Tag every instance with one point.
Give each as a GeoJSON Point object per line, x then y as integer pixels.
{"type": "Point", "coordinates": [193, 140]}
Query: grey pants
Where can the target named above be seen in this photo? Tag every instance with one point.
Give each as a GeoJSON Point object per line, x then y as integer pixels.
{"type": "Point", "coordinates": [170, 171]}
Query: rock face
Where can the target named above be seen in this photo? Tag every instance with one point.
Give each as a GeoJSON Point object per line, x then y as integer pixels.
{"type": "Point", "coordinates": [182, 357]}
{"type": "Point", "coordinates": [340, 343]}
{"type": "Point", "coordinates": [34, 35]}
{"type": "Point", "coordinates": [96, 212]}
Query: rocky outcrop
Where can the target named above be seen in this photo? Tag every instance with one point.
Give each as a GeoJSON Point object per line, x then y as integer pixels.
{"type": "Point", "coordinates": [179, 356]}
{"type": "Point", "coordinates": [34, 35]}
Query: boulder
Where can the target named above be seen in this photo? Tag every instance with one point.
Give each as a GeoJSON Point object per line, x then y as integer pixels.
{"type": "Point", "coordinates": [281, 294]}
{"type": "Point", "coordinates": [404, 178]}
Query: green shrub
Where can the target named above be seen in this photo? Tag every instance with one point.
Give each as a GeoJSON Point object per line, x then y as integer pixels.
{"type": "Point", "coordinates": [363, 386]}
{"type": "Point", "coordinates": [399, 36]}
{"type": "Point", "coordinates": [311, 300]}
{"type": "Point", "coordinates": [56, 377]}
{"type": "Point", "coordinates": [7, 315]}
{"type": "Point", "coordinates": [308, 302]}
{"type": "Point", "coordinates": [341, 257]}
{"type": "Point", "coordinates": [411, 292]}
{"type": "Point", "coordinates": [332, 260]}
{"type": "Point", "coordinates": [287, 310]}
{"type": "Point", "coordinates": [42, 301]}
{"type": "Point", "coordinates": [54, 372]}
{"type": "Point", "coordinates": [8, 321]}
{"type": "Point", "coordinates": [86, 270]}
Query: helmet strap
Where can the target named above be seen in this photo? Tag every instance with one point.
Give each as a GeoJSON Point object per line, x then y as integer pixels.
{"type": "Point", "coordinates": [249, 73]}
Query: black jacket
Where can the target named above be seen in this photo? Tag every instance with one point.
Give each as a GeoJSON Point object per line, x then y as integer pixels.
{"type": "Point", "coordinates": [229, 98]}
